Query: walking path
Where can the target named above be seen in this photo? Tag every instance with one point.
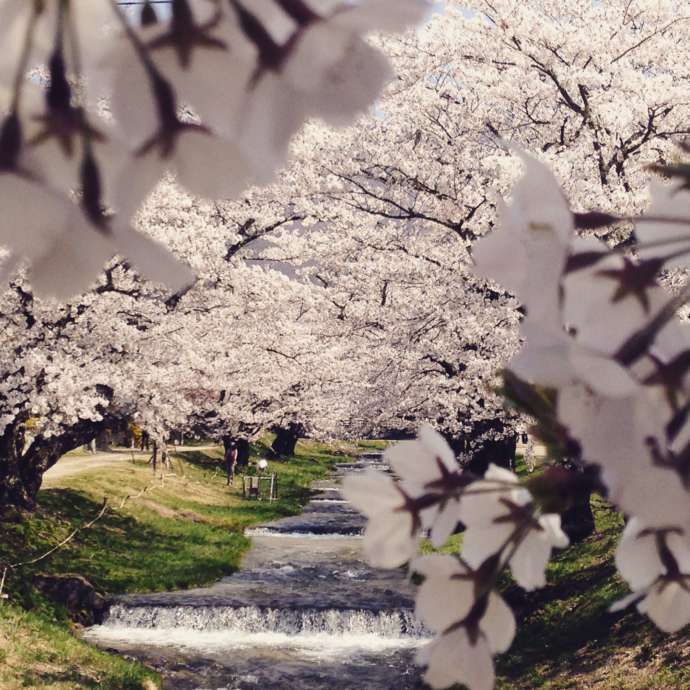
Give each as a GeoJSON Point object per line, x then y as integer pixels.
{"type": "Point", "coordinates": [303, 612]}
{"type": "Point", "coordinates": [70, 465]}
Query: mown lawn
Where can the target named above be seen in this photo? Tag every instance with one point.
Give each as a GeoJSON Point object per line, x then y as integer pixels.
{"type": "Point", "coordinates": [185, 530]}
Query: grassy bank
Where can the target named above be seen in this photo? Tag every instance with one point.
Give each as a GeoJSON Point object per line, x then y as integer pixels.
{"type": "Point", "coordinates": [181, 530]}
{"type": "Point", "coordinates": [567, 639]}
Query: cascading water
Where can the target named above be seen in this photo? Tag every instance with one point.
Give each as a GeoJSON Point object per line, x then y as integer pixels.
{"type": "Point", "coordinates": [305, 610]}
{"type": "Point", "coordinates": [252, 619]}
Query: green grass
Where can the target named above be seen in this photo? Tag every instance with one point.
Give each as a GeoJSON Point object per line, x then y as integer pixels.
{"type": "Point", "coordinates": [37, 653]}
{"type": "Point", "coordinates": [184, 531]}
{"type": "Point", "coordinates": [567, 639]}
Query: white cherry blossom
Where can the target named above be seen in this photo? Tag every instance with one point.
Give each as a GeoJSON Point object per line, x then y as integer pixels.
{"type": "Point", "coordinates": [427, 466]}
{"type": "Point", "coordinates": [535, 228]}
{"type": "Point", "coordinates": [500, 519]}
{"type": "Point", "coordinates": [656, 564]}
{"type": "Point", "coordinates": [469, 629]}
{"type": "Point", "coordinates": [391, 534]}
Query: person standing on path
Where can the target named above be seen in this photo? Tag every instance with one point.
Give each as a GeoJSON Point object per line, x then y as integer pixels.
{"type": "Point", "coordinates": [231, 462]}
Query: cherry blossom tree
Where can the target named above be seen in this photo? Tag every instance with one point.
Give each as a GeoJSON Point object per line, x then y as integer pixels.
{"type": "Point", "coordinates": [418, 293]}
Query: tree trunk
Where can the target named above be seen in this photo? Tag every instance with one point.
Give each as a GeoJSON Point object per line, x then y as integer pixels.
{"type": "Point", "coordinates": [103, 441]}
{"type": "Point", "coordinates": [286, 439]}
{"type": "Point", "coordinates": [483, 452]}
{"type": "Point", "coordinates": [22, 468]}
{"type": "Point", "coordinates": [578, 521]}
{"type": "Point", "coordinates": [18, 479]}
{"type": "Point", "coordinates": [501, 453]}
{"type": "Point", "coordinates": [242, 452]}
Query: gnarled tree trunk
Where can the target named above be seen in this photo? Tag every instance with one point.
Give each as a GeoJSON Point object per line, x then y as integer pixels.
{"type": "Point", "coordinates": [483, 452]}
{"type": "Point", "coordinates": [22, 467]}
{"type": "Point", "coordinates": [242, 445]}
{"type": "Point", "coordinates": [286, 439]}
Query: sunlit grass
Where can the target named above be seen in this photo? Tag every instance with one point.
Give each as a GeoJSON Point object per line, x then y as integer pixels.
{"type": "Point", "coordinates": [184, 531]}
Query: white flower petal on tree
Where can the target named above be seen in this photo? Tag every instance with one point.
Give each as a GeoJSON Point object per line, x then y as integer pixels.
{"type": "Point", "coordinates": [72, 263]}
{"type": "Point", "coordinates": [62, 248]}
{"type": "Point", "coordinates": [545, 357]}
{"type": "Point", "coordinates": [603, 374]}
{"type": "Point", "coordinates": [498, 624]}
{"type": "Point", "coordinates": [540, 220]}
{"type": "Point", "coordinates": [481, 501]}
{"type": "Point", "coordinates": [481, 541]}
{"type": "Point", "coordinates": [272, 115]}
{"type": "Point", "coordinates": [668, 201]}
{"type": "Point", "coordinates": [211, 167]}
{"type": "Point", "coordinates": [389, 538]}
{"type": "Point", "coordinates": [661, 585]}
{"type": "Point", "coordinates": [529, 561]}
{"type": "Point", "coordinates": [443, 599]}
{"type": "Point", "coordinates": [372, 492]}
{"type": "Point", "coordinates": [351, 85]}
{"type": "Point", "coordinates": [417, 462]}
{"type": "Point", "coordinates": [37, 210]}
{"type": "Point", "coordinates": [668, 605]}
{"type": "Point", "coordinates": [132, 103]}
{"type": "Point", "coordinates": [637, 557]}
{"type": "Point", "coordinates": [154, 261]}
{"type": "Point", "coordinates": [389, 541]}
{"type": "Point", "coordinates": [551, 524]}
{"type": "Point", "coordinates": [453, 659]}
{"type": "Point", "coordinates": [444, 522]}
{"type": "Point", "coordinates": [382, 15]}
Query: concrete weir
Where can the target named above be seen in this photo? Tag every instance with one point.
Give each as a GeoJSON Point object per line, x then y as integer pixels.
{"type": "Point", "coordinates": [304, 611]}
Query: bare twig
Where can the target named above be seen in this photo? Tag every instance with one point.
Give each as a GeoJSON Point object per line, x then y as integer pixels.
{"type": "Point", "coordinates": [67, 539]}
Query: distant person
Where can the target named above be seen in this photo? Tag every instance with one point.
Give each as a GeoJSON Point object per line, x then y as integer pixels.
{"type": "Point", "coordinates": [145, 441]}
{"type": "Point", "coordinates": [231, 462]}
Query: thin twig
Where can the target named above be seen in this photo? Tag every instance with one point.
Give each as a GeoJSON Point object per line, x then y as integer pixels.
{"type": "Point", "coordinates": [66, 540]}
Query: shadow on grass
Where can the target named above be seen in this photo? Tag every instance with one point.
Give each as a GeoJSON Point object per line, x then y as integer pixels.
{"type": "Point", "coordinates": [119, 553]}
{"type": "Point", "coordinates": [565, 630]}
{"type": "Point", "coordinates": [76, 679]}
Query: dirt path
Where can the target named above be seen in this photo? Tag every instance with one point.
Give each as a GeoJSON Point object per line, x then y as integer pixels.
{"type": "Point", "coordinates": [71, 465]}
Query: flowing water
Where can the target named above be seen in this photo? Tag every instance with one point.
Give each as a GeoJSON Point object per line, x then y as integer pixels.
{"type": "Point", "coordinates": [304, 612]}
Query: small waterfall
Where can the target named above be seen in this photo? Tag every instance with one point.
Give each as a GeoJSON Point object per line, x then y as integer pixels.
{"type": "Point", "coordinates": [269, 532]}
{"type": "Point", "coordinates": [307, 613]}
{"type": "Point", "coordinates": [252, 620]}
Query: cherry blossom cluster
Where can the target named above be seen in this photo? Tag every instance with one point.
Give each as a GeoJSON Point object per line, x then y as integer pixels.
{"type": "Point", "coordinates": [606, 358]}
{"type": "Point", "coordinates": [603, 335]}
{"type": "Point", "coordinates": [505, 526]}
{"type": "Point", "coordinates": [98, 108]}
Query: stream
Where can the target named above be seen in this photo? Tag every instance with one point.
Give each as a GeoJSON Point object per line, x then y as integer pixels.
{"type": "Point", "coordinates": [304, 611]}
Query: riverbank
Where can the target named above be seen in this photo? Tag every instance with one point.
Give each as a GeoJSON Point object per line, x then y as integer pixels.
{"type": "Point", "coordinates": [183, 529]}
{"type": "Point", "coordinates": [305, 610]}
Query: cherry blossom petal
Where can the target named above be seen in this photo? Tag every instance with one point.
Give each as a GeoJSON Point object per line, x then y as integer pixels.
{"type": "Point", "coordinates": [637, 557]}
{"type": "Point", "coordinates": [453, 659]}
{"type": "Point", "coordinates": [211, 167]}
{"type": "Point", "coordinates": [445, 522]}
{"type": "Point", "coordinates": [72, 263]}
{"type": "Point", "coordinates": [529, 561]}
{"type": "Point", "coordinates": [668, 605]}
{"type": "Point", "coordinates": [498, 624]}
{"type": "Point", "coordinates": [389, 541]}
{"type": "Point", "coordinates": [480, 542]}
{"type": "Point", "coordinates": [442, 599]}
{"type": "Point", "coordinates": [372, 492]}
